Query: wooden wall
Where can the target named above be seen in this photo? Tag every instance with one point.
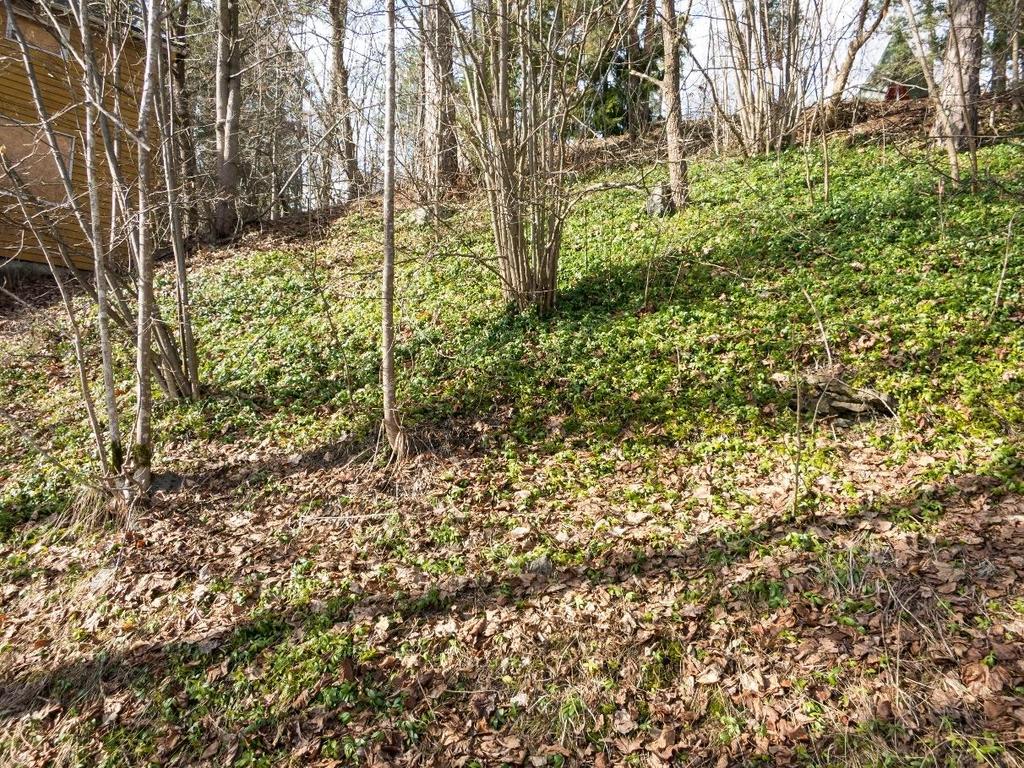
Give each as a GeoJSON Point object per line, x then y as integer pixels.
{"type": "Point", "coordinates": [26, 147]}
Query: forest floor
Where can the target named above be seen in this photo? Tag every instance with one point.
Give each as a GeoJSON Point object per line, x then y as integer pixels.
{"type": "Point", "coordinates": [616, 542]}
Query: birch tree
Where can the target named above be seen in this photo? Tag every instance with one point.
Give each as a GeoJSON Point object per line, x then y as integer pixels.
{"type": "Point", "coordinates": [945, 133]}
{"type": "Point", "coordinates": [142, 452]}
{"type": "Point", "coordinates": [1016, 19]}
{"type": "Point", "coordinates": [125, 309]}
{"type": "Point", "coordinates": [866, 25]}
{"type": "Point", "coordinates": [392, 421]}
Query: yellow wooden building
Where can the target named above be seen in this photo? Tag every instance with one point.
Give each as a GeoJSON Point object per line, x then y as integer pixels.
{"type": "Point", "coordinates": [29, 155]}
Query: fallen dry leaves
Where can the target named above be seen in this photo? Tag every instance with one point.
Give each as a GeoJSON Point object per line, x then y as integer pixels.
{"type": "Point", "coordinates": [670, 644]}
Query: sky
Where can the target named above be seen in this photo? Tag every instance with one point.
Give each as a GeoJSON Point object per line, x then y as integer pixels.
{"type": "Point", "coordinates": [366, 41]}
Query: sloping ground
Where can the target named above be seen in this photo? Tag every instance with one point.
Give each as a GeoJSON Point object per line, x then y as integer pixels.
{"type": "Point", "coordinates": [618, 544]}
{"type": "Point", "coordinates": [999, 117]}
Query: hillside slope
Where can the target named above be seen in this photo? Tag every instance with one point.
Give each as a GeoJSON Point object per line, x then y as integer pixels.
{"type": "Point", "coordinates": [617, 543]}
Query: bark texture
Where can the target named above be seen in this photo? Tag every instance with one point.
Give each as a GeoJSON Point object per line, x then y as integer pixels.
{"type": "Point", "coordinates": [184, 137]}
{"type": "Point", "coordinates": [392, 422]}
{"type": "Point", "coordinates": [960, 85]}
{"type": "Point", "coordinates": [143, 449]}
{"type": "Point", "coordinates": [342, 101]}
{"type": "Point", "coordinates": [228, 108]}
{"type": "Point", "coordinates": [677, 165]}
{"type": "Point", "coordinates": [639, 55]}
{"type": "Point", "coordinates": [440, 158]}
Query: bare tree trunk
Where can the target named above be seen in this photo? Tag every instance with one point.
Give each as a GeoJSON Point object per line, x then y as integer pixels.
{"type": "Point", "coordinates": [649, 38]}
{"type": "Point", "coordinates": [103, 121]}
{"type": "Point", "coordinates": [228, 108]}
{"type": "Point", "coordinates": [924, 58]}
{"type": "Point", "coordinates": [26, 204]}
{"type": "Point", "coordinates": [143, 448]}
{"type": "Point", "coordinates": [522, 69]}
{"type": "Point", "coordinates": [170, 157]}
{"type": "Point", "coordinates": [392, 421]}
{"type": "Point", "coordinates": [341, 100]}
{"type": "Point", "coordinates": [1015, 52]}
{"type": "Point", "coordinates": [1000, 47]}
{"type": "Point", "coordinates": [116, 446]}
{"type": "Point", "coordinates": [864, 32]}
{"type": "Point", "coordinates": [181, 106]}
{"type": "Point", "coordinates": [961, 73]}
{"type": "Point", "coordinates": [639, 57]}
{"type": "Point", "coordinates": [764, 46]}
{"type": "Point", "coordinates": [677, 166]}
{"type": "Point", "coordinates": [111, 123]}
{"type": "Point", "coordinates": [438, 117]}
{"type": "Point", "coordinates": [630, 20]}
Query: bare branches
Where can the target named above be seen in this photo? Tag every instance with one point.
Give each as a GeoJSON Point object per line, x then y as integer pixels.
{"type": "Point", "coordinates": [522, 67]}
{"type": "Point", "coordinates": [927, 69]}
{"type": "Point", "coordinates": [864, 32]}
{"type": "Point", "coordinates": [116, 94]}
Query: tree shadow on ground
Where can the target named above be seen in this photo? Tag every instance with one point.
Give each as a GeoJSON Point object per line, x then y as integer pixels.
{"type": "Point", "coordinates": [884, 579]}
{"type": "Point", "coordinates": [548, 380]}
{"type": "Point", "coordinates": [589, 373]}
{"type": "Point", "coordinates": [617, 355]}
{"type": "Point", "coordinates": [516, 373]}
{"type": "Point", "coordinates": [23, 295]}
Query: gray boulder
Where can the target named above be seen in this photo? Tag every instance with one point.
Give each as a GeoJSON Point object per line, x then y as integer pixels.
{"type": "Point", "coordinates": [660, 202]}
{"type": "Point", "coordinates": [542, 566]}
{"type": "Point", "coordinates": [425, 215]}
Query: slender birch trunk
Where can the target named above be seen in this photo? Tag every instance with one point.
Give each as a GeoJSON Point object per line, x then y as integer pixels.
{"type": "Point", "coordinates": [181, 110]}
{"type": "Point", "coordinates": [864, 32]}
{"type": "Point", "coordinates": [169, 145]}
{"type": "Point", "coordinates": [143, 448]}
{"type": "Point", "coordinates": [1015, 53]}
{"type": "Point", "coordinates": [392, 420]}
{"type": "Point", "coordinates": [437, 130]}
{"type": "Point", "coordinates": [116, 446]}
{"type": "Point", "coordinates": [28, 204]}
{"type": "Point", "coordinates": [924, 58]}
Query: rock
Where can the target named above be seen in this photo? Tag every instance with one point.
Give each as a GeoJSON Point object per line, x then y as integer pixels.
{"type": "Point", "coordinates": [660, 202]}
{"type": "Point", "coordinates": [166, 482]}
{"type": "Point", "coordinates": [881, 402]}
{"type": "Point", "coordinates": [824, 393]}
{"type": "Point", "coordinates": [856, 408]}
{"type": "Point", "coordinates": [424, 215]}
{"type": "Point", "coordinates": [420, 217]}
{"type": "Point", "coordinates": [542, 566]}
